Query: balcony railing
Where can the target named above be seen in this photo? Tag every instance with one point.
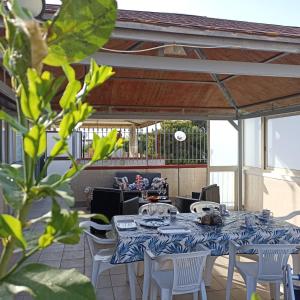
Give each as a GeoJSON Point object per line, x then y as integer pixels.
{"type": "Point", "coordinates": [155, 146]}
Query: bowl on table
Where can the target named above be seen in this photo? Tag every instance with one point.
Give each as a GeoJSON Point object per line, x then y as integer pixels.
{"type": "Point", "coordinates": [153, 199]}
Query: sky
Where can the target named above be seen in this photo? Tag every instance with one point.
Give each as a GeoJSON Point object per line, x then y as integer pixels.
{"type": "Point", "coordinates": [281, 12]}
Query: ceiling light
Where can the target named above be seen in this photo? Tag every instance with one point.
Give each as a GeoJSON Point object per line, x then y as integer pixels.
{"type": "Point", "coordinates": [180, 136]}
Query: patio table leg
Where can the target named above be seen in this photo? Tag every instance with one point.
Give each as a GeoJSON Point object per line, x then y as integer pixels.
{"type": "Point", "coordinates": [147, 280]}
{"type": "Point", "coordinates": [208, 269]}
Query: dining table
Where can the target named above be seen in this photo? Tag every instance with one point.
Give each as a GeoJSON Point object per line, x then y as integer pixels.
{"type": "Point", "coordinates": [131, 243]}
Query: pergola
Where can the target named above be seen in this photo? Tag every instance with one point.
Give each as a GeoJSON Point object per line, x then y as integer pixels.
{"type": "Point", "coordinates": [172, 66]}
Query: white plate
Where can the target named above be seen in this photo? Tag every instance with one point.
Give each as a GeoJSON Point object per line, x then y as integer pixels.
{"type": "Point", "coordinates": [174, 230]}
{"type": "Point", "coordinates": [154, 222]}
{"type": "Point", "coordinates": [261, 218]}
{"type": "Point", "coordinates": [128, 224]}
{"type": "Point", "coordinates": [255, 227]}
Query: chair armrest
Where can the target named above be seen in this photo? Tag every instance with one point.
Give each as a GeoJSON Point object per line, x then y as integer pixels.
{"type": "Point", "coordinates": [196, 195]}
{"type": "Point", "coordinates": [130, 206]}
{"type": "Point", "coordinates": [88, 224]}
{"type": "Point", "coordinates": [100, 241]}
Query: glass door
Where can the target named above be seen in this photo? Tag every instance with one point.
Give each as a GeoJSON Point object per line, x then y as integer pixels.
{"type": "Point", "coordinates": [223, 160]}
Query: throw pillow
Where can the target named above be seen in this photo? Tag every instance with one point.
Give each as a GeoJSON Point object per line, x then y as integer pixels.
{"type": "Point", "coordinates": [158, 183]}
{"type": "Point", "coordinates": [121, 182]}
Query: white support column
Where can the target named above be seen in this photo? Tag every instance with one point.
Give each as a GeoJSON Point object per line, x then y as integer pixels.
{"type": "Point", "coordinates": [133, 142]}
{"type": "Point", "coordinates": [240, 165]}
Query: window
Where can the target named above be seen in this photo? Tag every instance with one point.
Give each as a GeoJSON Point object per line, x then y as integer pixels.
{"type": "Point", "coordinates": [283, 142]}
{"type": "Point", "coordinates": [252, 142]}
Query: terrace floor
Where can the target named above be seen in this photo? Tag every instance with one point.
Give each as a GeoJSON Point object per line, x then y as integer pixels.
{"type": "Point", "coordinates": [112, 285]}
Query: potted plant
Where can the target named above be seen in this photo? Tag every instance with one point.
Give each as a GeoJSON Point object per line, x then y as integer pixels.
{"type": "Point", "coordinates": [76, 31]}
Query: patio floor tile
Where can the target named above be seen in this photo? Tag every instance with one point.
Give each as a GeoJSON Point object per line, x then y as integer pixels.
{"type": "Point", "coordinates": [73, 254]}
{"type": "Point", "coordinates": [51, 263]}
{"type": "Point", "coordinates": [119, 279]}
{"type": "Point", "coordinates": [72, 263]}
{"type": "Point", "coordinates": [51, 255]}
{"type": "Point", "coordinates": [118, 270]}
{"type": "Point", "coordinates": [105, 293]}
{"type": "Point", "coordinates": [104, 281]}
{"type": "Point", "coordinates": [123, 292]}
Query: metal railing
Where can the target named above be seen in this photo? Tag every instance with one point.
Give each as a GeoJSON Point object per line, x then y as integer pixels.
{"type": "Point", "coordinates": [154, 145]}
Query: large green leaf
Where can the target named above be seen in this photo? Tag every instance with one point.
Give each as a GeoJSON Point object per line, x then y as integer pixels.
{"type": "Point", "coordinates": [17, 58]}
{"type": "Point", "coordinates": [12, 122]}
{"type": "Point", "coordinates": [80, 30]}
{"type": "Point", "coordinates": [11, 182]}
{"type": "Point", "coordinates": [10, 226]}
{"type": "Point", "coordinates": [35, 141]}
{"type": "Point", "coordinates": [60, 147]}
{"type": "Point", "coordinates": [65, 225]}
{"type": "Point", "coordinates": [54, 186]}
{"type": "Point", "coordinates": [104, 147]}
{"type": "Point", "coordinates": [47, 283]}
{"type": "Point", "coordinates": [97, 75]}
{"type": "Point", "coordinates": [7, 291]}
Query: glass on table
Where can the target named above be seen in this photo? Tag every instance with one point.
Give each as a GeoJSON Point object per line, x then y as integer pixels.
{"type": "Point", "coordinates": [173, 213]}
{"type": "Point", "coordinates": [144, 194]}
{"type": "Point", "coordinates": [250, 220]}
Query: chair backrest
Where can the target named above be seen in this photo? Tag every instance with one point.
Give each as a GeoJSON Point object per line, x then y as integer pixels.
{"type": "Point", "coordinates": [156, 208]}
{"type": "Point", "coordinates": [92, 239]}
{"type": "Point", "coordinates": [197, 207]}
{"type": "Point", "coordinates": [271, 259]}
{"type": "Point", "coordinates": [211, 193]}
{"type": "Point", "coordinates": [107, 201]}
{"type": "Point", "coordinates": [188, 271]}
{"type": "Point", "coordinates": [183, 203]}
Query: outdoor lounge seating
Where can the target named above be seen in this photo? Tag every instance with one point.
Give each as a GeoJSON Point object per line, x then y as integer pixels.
{"type": "Point", "coordinates": [131, 176]}
{"type": "Point", "coordinates": [209, 193]}
{"type": "Point", "coordinates": [111, 202]}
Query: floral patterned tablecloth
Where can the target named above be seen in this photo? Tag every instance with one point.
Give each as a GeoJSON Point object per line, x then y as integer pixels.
{"type": "Point", "coordinates": [131, 244]}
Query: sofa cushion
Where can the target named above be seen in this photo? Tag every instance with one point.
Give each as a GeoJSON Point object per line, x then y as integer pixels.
{"type": "Point", "coordinates": [131, 175]}
{"type": "Point", "coordinates": [121, 183]}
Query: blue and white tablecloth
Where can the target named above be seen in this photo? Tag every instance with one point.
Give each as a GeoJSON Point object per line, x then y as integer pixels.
{"type": "Point", "coordinates": [131, 244]}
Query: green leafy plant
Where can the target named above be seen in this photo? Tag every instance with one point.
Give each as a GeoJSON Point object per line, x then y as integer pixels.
{"type": "Point", "coordinates": [77, 31]}
{"type": "Point", "coordinates": [255, 296]}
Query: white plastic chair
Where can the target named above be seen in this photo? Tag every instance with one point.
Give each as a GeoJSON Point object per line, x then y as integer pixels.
{"type": "Point", "coordinates": [288, 283]}
{"type": "Point", "coordinates": [295, 257]}
{"type": "Point", "coordinates": [289, 216]}
{"type": "Point", "coordinates": [271, 260]}
{"type": "Point", "coordinates": [185, 277]}
{"type": "Point", "coordinates": [197, 207]}
{"type": "Point", "coordinates": [101, 258]}
{"type": "Point", "coordinates": [156, 208]}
